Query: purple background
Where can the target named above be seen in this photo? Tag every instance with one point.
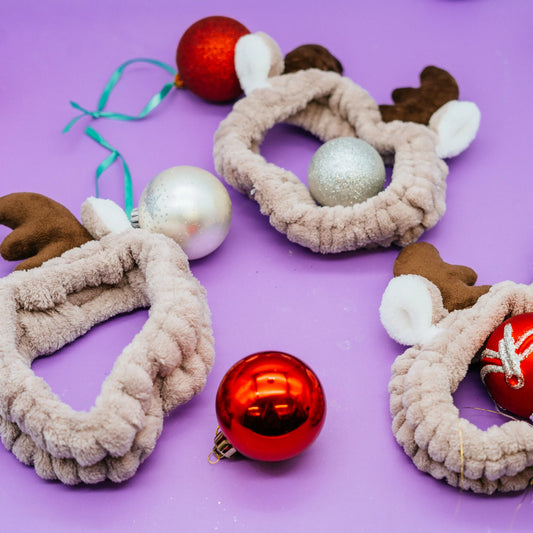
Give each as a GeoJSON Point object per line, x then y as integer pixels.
{"type": "Point", "coordinates": [265, 292]}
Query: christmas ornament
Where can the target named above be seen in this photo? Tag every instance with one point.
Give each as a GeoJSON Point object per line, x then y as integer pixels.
{"type": "Point", "coordinates": [270, 406]}
{"type": "Point", "coordinates": [507, 365]}
{"type": "Point", "coordinates": [447, 321]}
{"type": "Point", "coordinates": [111, 269]}
{"type": "Point", "coordinates": [215, 57]}
{"type": "Point", "coordinates": [188, 204]}
{"type": "Point", "coordinates": [329, 106]}
{"type": "Point", "coordinates": [345, 171]}
{"type": "Point", "coordinates": [205, 58]}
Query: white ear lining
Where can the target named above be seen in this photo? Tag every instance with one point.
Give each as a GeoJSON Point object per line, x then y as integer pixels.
{"type": "Point", "coordinates": [407, 310]}
{"type": "Point", "coordinates": [256, 54]}
{"type": "Point", "coordinates": [101, 216]}
{"type": "Point", "coordinates": [456, 124]}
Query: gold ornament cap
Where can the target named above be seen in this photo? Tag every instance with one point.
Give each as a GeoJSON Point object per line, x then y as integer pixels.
{"type": "Point", "coordinates": [223, 449]}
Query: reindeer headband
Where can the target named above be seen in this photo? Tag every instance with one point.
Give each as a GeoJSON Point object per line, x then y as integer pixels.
{"type": "Point", "coordinates": [437, 310]}
{"type": "Point", "coordinates": [424, 126]}
{"type": "Point", "coordinates": [121, 269]}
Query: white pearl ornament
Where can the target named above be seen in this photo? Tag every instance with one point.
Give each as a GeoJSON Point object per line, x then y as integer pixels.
{"type": "Point", "coordinates": [189, 205]}
{"type": "Point", "coordinates": [345, 171]}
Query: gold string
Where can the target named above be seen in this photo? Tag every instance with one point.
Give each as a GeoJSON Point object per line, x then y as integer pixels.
{"type": "Point", "coordinates": [462, 470]}
{"type": "Point", "coordinates": [497, 412]}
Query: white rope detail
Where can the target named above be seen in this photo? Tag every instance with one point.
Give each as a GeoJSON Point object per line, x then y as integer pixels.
{"type": "Point", "coordinates": [509, 358]}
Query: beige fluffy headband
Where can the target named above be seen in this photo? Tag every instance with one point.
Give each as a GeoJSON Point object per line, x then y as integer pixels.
{"type": "Point", "coordinates": [437, 310]}
{"type": "Point", "coordinates": [329, 106]}
{"type": "Point", "coordinates": [47, 307]}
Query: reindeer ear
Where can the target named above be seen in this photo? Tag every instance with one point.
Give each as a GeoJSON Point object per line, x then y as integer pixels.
{"type": "Point", "coordinates": [410, 307]}
{"type": "Point", "coordinates": [257, 58]}
{"type": "Point", "coordinates": [436, 104]}
{"type": "Point", "coordinates": [101, 216]}
{"type": "Point", "coordinates": [456, 124]}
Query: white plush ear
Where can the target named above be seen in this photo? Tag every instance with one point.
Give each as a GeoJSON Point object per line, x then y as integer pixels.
{"type": "Point", "coordinates": [101, 216]}
{"type": "Point", "coordinates": [456, 124]}
{"type": "Point", "coordinates": [257, 57]}
{"type": "Point", "coordinates": [409, 308]}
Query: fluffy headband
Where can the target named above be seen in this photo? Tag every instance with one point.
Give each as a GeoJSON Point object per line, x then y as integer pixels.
{"type": "Point", "coordinates": [329, 106]}
{"type": "Point", "coordinates": [437, 310]}
{"type": "Point", "coordinates": [44, 308]}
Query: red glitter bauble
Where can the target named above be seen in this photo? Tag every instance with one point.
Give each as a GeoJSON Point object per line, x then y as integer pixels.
{"type": "Point", "coordinates": [205, 58]}
{"type": "Point", "coordinates": [270, 406]}
{"type": "Point", "coordinates": [507, 365]}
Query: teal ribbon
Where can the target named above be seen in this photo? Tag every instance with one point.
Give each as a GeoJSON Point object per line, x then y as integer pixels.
{"type": "Point", "coordinates": [107, 162]}
{"type": "Point", "coordinates": [100, 113]}
{"type": "Point", "coordinates": [108, 89]}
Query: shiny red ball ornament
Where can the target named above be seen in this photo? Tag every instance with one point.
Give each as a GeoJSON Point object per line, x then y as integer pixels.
{"type": "Point", "coordinates": [270, 406]}
{"type": "Point", "coordinates": [205, 58]}
{"type": "Point", "coordinates": [507, 365]}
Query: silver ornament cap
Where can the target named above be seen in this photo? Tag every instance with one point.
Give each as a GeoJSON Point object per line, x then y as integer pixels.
{"type": "Point", "coordinates": [189, 205]}
{"type": "Point", "coordinates": [345, 171]}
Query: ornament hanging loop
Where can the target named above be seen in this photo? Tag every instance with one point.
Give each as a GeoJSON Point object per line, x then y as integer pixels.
{"type": "Point", "coordinates": [178, 81]}
{"type": "Point", "coordinates": [222, 449]}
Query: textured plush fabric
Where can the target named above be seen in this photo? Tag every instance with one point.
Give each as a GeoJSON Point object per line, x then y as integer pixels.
{"type": "Point", "coordinates": [456, 124]}
{"type": "Point", "coordinates": [455, 282]}
{"type": "Point", "coordinates": [257, 58]}
{"type": "Point", "coordinates": [42, 229]}
{"type": "Point", "coordinates": [164, 365]}
{"type": "Point", "coordinates": [437, 87]}
{"type": "Point", "coordinates": [329, 106]}
{"type": "Point", "coordinates": [311, 56]}
{"type": "Point", "coordinates": [410, 307]}
{"type": "Point", "coordinates": [426, 422]}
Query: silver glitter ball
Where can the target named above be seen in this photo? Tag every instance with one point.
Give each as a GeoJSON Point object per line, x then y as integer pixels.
{"type": "Point", "coordinates": [188, 204]}
{"type": "Point", "coordinates": [345, 171]}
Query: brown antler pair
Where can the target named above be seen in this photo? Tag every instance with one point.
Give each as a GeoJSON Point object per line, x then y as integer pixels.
{"type": "Point", "coordinates": [42, 229]}
{"type": "Point", "coordinates": [437, 86]}
{"type": "Point", "coordinates": [456, 283]}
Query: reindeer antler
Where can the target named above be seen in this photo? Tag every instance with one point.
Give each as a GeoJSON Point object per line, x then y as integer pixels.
{"type": "Point", "coordinates": [456, 283]}
{"type": "Point", "coordinates": [311, 56]}
{"type": "Point", "coordinates": [437, 87]}
{"type": "Point", "coordinates": [42, 229]}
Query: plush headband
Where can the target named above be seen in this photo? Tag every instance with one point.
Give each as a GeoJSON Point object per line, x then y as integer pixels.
{"type": "Point", "coordinates": [436, 309]}
{"type": "Point", "coordinates": [44, 308]}
{"type": "Point", "coordinates": [329, 106]}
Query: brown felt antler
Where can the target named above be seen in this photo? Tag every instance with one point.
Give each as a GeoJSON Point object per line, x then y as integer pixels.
{"type": "Point", "coordinates": [456, 283]}
{"type": "Point", "coordinates": [311, 56]}
{"type": "Point", "coordinates": [437, 87]}
{"type": "Point", "coordinates": [42, 229]}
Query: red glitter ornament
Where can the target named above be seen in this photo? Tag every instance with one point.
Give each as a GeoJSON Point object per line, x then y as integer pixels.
{"type": "Point", "coordinates": [270, 407]}
{"type": "Point", "coordinates": [507, 365]}
{"type": "Point", "coordinates": [205, 58]}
